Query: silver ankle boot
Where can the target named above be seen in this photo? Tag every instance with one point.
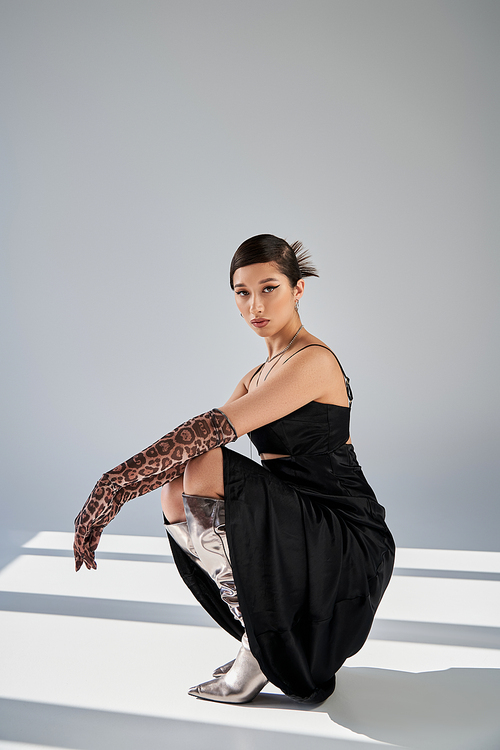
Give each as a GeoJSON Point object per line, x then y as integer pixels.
{"type": "Point", "coordinates": [241, 680]}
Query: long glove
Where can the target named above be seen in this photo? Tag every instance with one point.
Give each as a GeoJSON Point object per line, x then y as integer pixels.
{"type": "Point", "coordinates": [146, 471]}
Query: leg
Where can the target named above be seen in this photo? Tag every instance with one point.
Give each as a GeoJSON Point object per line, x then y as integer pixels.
{"type": "Point", "coordinates": [173, 508]}
{"type": "Point", "coordinates": [202, 478]}
{"type": "Point", "coordinates": [205, 514]}
{"type": "Point", "coordinates": [173, 511]}
{"type": "Point", "coordinates": [203, 475]}
{"type": "Point", "coordinates": [171, 501]}
{"type": "Point", "coordinates": [202, 537]}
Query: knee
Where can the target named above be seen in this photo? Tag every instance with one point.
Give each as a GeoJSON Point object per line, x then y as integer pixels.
{"type": "Point", "coordinates": [203, 475]}
{"type": "Point", "coordinates": [171, 501]}
{"type": "Point", "coordinates": [196, 468]}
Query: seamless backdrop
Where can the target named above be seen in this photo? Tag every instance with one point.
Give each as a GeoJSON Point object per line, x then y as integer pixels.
{"type": "Point", "coordinates": [141, 142]}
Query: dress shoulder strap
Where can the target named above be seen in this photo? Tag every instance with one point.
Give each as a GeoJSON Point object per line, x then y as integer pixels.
{"type": "Point", "coordinates": [256, 372]}
{"type": "Point", "coordinates": [346, 379]}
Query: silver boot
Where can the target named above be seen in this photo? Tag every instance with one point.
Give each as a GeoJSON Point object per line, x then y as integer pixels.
{"type": "Point", "coordinates": [205, 517]}
{"type": "Point", "coordinates": [240, 685]}
{"type": "Point", "coordinates": [180, 534]}
{"type": "Point", "coordinates": [224, 669]}
{"type": "Point", "coordinates": [239, 682]}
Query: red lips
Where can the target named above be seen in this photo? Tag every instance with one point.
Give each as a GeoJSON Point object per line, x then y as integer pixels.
{"type": "Point", "coordinates": [259, 322]}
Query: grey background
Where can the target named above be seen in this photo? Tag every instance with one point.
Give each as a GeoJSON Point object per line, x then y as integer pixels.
{"type": "Point", "coordinates": [141, 142]}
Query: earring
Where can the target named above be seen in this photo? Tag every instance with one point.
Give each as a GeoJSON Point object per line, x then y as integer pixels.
{"type": "Point", "coordinates": [296, 305]}
{"type": "Point", "coordinates": [241, 315]}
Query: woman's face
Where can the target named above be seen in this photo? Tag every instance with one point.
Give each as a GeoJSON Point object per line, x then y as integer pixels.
{"type": "Point", "coordinates": [265, 298]}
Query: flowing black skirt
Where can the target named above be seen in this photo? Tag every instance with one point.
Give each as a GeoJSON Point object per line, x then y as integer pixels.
{"type": "Point", "coordinates": [311, 556]}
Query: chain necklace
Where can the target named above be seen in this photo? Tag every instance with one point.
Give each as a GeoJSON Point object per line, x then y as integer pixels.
{"type": "Point", "coordinates": [276, 356]}
{"type": "Point", "coordinates": [270, 359]}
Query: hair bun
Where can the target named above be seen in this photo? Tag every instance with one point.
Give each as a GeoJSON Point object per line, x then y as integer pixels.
{"type": "Point", "coordinates": [304, 260]}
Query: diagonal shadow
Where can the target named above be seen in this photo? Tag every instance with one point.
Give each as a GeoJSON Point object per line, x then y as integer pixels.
{"type": "Point", "coordinates": [466, 575]}
{"type": "Point", "coordinates": [108, 609]}
{"type": "Point", "coordinates": [471, 636]}
{"type": "Point", "coordinates": [91, 729]}
{"type": "Point", "coordinates": [11, 545]}
{"type": "Point", "coordinates": [453, 709]}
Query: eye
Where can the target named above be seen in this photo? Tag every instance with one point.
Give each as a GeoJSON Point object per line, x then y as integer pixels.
{"type": "Point", "coordinates": [242, 293]}
{"type": "Point", "coordinates": [269, 289]}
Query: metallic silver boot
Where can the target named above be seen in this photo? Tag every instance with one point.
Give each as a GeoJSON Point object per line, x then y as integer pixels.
{"type": "Point", "coordinates": [224, 669]}
{"type": "Point", "coordinates": [242, 680]}
{"type": "Point", "coordinates": [240, 685]}
{"type": "Point", "coordinates": [205, 517]}
{"type": "Point", "coordinates": [180, 534]}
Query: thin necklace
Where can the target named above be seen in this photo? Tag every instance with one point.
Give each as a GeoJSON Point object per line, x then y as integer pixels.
{"type": "Point", "coordinates": [270, 359]}
{"type": "Point", "coordinates": [276, 356]}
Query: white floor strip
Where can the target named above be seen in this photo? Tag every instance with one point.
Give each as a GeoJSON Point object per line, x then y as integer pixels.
{"type": "Point", "coordinates": [119, 543]}
{"type": "Point", "coordinates": [448, 559]}
{"type": "Point", "coordinates": [114, 579]}
{"type": "Point", "coordinates": [444, 600]}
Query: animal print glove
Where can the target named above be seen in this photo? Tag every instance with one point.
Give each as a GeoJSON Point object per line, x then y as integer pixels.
{"type": "Point", "coordinates": [152, 468]}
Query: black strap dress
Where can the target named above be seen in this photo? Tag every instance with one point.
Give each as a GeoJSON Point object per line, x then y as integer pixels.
{"type": "Point", "coordinates": [310, 550]}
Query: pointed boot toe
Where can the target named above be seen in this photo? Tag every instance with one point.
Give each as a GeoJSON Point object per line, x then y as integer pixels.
{"type": "Point", "coordinates": [218, 690]}
{"type": "Point", "coordinates": [241, 683]}
{"type": "Point", "coordinates": [212, 691]}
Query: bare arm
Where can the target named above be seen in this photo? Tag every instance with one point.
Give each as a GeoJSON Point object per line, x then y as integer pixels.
{"type": "Point", "coordinates": [305, 377]}
{"type": "Point", "coordinates": [242, 387]}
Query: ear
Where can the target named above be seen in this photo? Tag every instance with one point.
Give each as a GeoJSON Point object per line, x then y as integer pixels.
{"type": "Point", "coordinates": [299, 289]}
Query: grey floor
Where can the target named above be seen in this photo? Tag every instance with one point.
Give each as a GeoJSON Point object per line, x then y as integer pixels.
{"type": "Point", "coordinates": [104, 659]}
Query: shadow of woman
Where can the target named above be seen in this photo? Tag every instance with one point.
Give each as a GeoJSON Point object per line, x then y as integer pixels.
{"type": "Point", "coordinates": [454, 709]}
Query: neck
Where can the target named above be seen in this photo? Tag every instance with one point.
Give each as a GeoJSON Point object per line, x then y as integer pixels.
{"type": "Point", "coordinates": [278, 342]}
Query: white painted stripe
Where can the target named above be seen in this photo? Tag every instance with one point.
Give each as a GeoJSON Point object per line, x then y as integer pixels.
{"type": "Point", "coordinates": [448, 559]}
{"type": "Point", "coordinates": [114, 579]}
{"type": "Point", "coordinates": [118, 543]}
{"type": "Point", "coordinates": [442, 600]}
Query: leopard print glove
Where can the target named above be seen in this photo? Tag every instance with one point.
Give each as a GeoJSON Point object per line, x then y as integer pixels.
{"type": "Point", "coordinates": [152, 468]}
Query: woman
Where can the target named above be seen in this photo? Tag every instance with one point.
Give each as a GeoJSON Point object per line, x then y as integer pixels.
{"type": "Point", "coordinates": [291, 557]}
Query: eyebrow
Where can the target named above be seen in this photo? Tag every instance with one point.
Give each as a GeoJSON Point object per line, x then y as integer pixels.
{"type": "Point", "coordinates": [264, 281]}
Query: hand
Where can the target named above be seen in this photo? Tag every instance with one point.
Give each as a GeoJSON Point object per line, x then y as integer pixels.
{"type": "Point", "coordinates": [100, 508]}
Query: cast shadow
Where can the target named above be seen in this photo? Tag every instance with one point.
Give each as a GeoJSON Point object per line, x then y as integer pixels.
{"type": "Point", "coordinates": [453, 709]}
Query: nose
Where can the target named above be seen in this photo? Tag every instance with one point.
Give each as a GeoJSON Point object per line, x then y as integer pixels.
{"type": "Point", "coordinates": [256, 308]}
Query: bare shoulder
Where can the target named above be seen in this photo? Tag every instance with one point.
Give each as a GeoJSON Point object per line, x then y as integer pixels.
{"type": "Point", "coordinates": [243, 386]}
{"type": "Point", "coordinates": [313, 350]}
{"type": "Point", "coordinates": [319, 362]}
{"type": "Point", "coordinates": [249, 376]}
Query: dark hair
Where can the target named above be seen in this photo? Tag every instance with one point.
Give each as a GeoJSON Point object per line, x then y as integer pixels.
{"type": "Point", "coordinates": [292, 260]}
